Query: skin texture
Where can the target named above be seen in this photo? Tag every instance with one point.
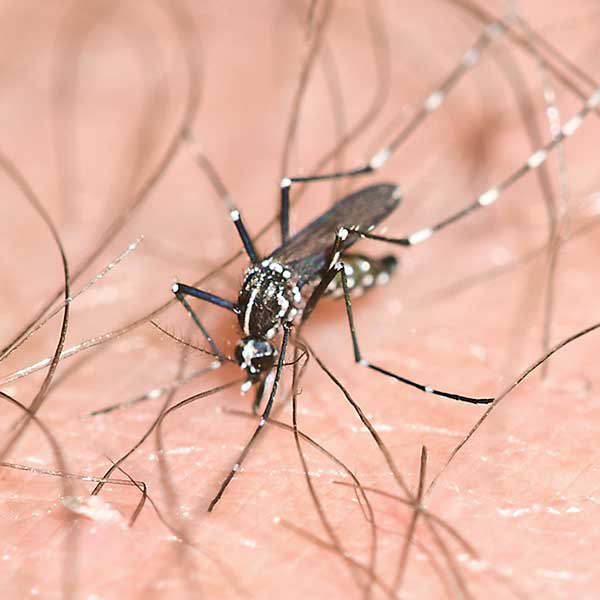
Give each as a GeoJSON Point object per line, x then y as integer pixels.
{"type": "Point", "coordinates": [92, 97]}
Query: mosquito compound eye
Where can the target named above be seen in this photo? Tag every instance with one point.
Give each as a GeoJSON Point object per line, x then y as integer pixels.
{"type": "Point", "coordinates": [256, 355]}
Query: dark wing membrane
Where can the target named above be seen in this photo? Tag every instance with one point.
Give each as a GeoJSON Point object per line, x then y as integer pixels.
{"type": "Point", "coordinates": [307, 251]}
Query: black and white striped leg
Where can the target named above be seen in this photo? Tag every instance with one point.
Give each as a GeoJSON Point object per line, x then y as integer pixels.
{"type": "Point", "coordinates": [286, 184]}
{"type": "Point", "coordinates": [338, 267]}
{"type": "Point", "coordinates": [491, 195]}
{"type": "Point", "coordinates": [213, 176]}
{"type": "Point", "coordinates": [431, 104]}
{"type": "Point", "coordinates": [263, 418]}
{"type": "Point", "coordinates": [244, 236]}
{"type": "Point", "coordinates": [181, 290]}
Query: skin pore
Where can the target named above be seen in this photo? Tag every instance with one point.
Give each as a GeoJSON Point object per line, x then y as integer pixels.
{"type": "Point", "coordinates": [94, 96]}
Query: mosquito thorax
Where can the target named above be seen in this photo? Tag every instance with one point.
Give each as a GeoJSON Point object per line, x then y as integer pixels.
{"type": "Point", "coordinates": [269, 296]}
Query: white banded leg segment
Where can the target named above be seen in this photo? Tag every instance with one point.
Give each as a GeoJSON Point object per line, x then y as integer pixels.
{"type": "Point", "coordinates": [365, 363]}
{"type": "Point", "coordinates": [434, 101]}
{"type": "Point", "coordinates": [420, 236]}
{"type": "Point", "coordinates": [181, 290]}
{"type": "Point", "coordinates": [243, 233]}
{"type": "Point", "coordinates": [284, 214]}
{"type": "Point", "coordinates": [471, 57]}
{"type": "Point", "coordinates": [572, 125]}
{"type": "Point", "coordinates": [379, 159]}
{"type": "Point", "coordinates": [494, 30]}
{"type": "Point", "coordinates": [593, 101]}
{"type": "Point", "coordinates": [430, 390]}
{"type": "Point", "coordinates": [430, 104]}
{"type": "Point", "coordinates": [537, 158]}
{"type": "Point", "coordinates": [489, 197]}
{"type": "Point", "coordinates": [340, 236]}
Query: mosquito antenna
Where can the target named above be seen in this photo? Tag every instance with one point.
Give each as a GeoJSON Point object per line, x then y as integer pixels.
{"type": "Point", "coordinates": [183, 342]}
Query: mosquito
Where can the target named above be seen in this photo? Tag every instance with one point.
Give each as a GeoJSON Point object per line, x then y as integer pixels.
{"type": "Point", "coordinates": [279, 292]}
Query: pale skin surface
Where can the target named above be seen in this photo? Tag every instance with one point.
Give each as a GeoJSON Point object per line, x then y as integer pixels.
{"type": "Point", "coordinates": [522, 492]}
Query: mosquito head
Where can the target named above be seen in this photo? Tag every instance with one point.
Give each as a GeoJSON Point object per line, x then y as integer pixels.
{"type": "Point", "coordinates": [257, 356]}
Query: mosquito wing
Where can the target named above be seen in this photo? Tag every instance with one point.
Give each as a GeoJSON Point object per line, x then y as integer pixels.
{"type": "Point", "coordinates": [308, 250]}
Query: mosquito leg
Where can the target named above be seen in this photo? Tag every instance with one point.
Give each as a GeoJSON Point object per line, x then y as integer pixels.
{"type": "Point", "coordinates": [361, 361]}
{"type": "Point", "coordinates": [335, 267]}
{"type": "Point", "coordinates": [219, 187]}
{"type": "Point", "coordinates": [490, 196]}
{"type": "Point", "coordinates": [260, 391]}
{"type": "Point", "coordinates": [263, 418]}
{"type": "Point", "coordinates": [284, 213]}
{"type": "Point", "coordinates": [430, 105]}
{"type": "Point", "coordinates": [181, 290]}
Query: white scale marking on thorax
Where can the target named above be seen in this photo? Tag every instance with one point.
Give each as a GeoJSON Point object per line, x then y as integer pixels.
{"type": "Point", "coordinates": [249, 310]}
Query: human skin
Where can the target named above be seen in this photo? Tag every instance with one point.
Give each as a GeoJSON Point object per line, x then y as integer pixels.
{"type": "Point", "coordinates": [521, 492]}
